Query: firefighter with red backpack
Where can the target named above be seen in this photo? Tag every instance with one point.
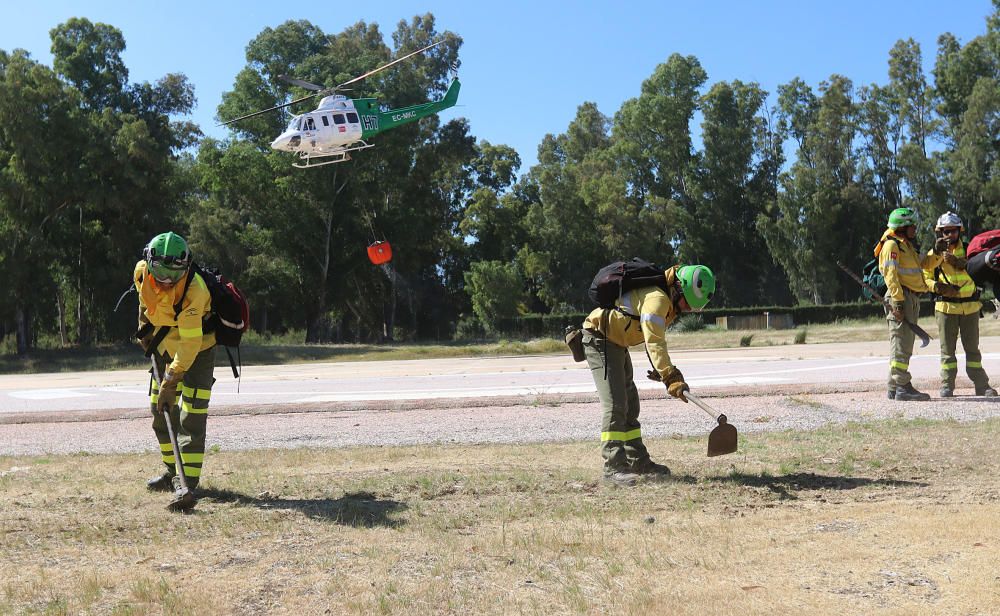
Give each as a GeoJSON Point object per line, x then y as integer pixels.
{"type": "Point", "coordinates": [639, 316]}
{"type": "Point", "coordinates": [956, 309]}
{"type": "Point", "coordinates": [174, 302]}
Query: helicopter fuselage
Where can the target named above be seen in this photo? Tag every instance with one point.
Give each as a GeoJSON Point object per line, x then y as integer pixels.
{"type": "Point", "coordinates": [333, 126]}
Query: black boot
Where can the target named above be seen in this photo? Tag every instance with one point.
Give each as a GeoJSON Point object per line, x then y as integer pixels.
{"type": "Point", "coordinates": [163, 483]}
{"type": "Point", "coordinates": [891, 394]}
{"type": "Point", "coordinates": [648, 467]}
{"type": "Point", "coordinates": [987, 391]}
{"type": "Point", "coordinates": [906, 393]}
{"type": "Point", "coordinates": [621, 477]}
{"type": "Point", "coordinates": [947, 392]}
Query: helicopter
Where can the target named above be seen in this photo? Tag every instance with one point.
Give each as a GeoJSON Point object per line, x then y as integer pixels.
{"type": "Point", "coordinates": [340, 125]}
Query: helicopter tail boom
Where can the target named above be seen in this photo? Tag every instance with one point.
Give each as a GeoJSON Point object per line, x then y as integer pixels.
{"type": "Point", "coordinates": [375, 121]}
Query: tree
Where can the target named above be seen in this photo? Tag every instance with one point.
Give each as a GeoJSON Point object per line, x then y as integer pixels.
{"type": "Point", "coordinates": [563, 247]}
{"type": "Point", "coordinates": [820, 204]}
{"type": "Point", "coordinates": [730, 185]}
{"type": "Point", "coordinates": [496, 290]}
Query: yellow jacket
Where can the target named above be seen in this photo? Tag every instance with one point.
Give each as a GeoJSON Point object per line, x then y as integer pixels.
{"type": "Point", "coordinates": [902, 266]}
{"type": "Point", "coordinates": [945, 273]}
{"type": "Point", "coordinates": [655, 311]}
{"type": "Point", "coordinates": [156, 306]}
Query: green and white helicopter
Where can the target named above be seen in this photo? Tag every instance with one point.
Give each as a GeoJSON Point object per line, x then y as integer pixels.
{"type": "Point", "coordinates": [340, 125]}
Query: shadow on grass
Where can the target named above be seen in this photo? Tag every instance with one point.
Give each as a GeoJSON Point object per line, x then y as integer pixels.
{"type": "Point", "coordinates": [357, 509]}
{"type": "Point", "coordinates": [785, 485]}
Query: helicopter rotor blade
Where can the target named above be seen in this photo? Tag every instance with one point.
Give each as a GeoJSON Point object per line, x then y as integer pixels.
{"type": "Point", "coordinates": [300, 83]}
{"type": "Point", "coordinates": [263, 111]}
{"type": "Point", "coordinates": [385, 66]}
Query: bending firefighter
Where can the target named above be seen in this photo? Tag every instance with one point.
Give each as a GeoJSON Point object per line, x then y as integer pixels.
{"type": "Point", "coordinates": [903, 269]}
{"type": "Point", "coordinates": [956, 310]}
{"type": "Point", "coordinates": [641, 316]}
{"type": "Point", "coordinates": [171, 311]}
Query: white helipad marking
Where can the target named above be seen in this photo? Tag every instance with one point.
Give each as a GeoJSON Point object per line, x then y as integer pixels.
{"type": "Point", "coordinates": [126, 390]}
{"type": "Point", "coordinates": [48, 394]}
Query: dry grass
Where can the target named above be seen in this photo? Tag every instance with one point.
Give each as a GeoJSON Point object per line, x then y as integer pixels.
{"type": "Point", "coordinates": [890, 518]}
{"type": "Point", "coordinates": [853, 330]}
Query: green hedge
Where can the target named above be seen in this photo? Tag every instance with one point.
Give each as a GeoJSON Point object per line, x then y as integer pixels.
{"type": "Point", "coordinates": [553, 325]}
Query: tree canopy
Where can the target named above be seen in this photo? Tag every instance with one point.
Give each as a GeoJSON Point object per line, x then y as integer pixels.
{"type": "Point", "coordinates": [768, 189]}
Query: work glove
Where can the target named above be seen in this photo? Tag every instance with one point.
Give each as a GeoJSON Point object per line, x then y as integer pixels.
{"type": "Point", "coordinates": [144, 336]}
{"type": "Point", "coordinates": [676, 385]}
{"type": "Point", "coordinates": [897, 312]}
{"type": "Point", "coordinates": [146, 342]}
{"type": "Point", "coordinates": [168, 391]}
{"type": "Point", "coordinates": [946, 290]}
{"type": "Point", "coordinates": [653, 375]}
{"type": "Point", "coordinates": [955, 261]}
{"type": "Point", "coordinates": [941, 245]}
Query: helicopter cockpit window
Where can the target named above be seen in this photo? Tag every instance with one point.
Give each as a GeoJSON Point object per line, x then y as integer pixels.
{"type": "Point", "coordinates": [352, 117]}
{"type": "Point", "coordinates": [294, 124]}
{"type": "Point", "coordinates": [310, 125]}
{"type": "Point", "coordinates": [338, 118]}
{"type": "Point", "coordinates": [325, 121]}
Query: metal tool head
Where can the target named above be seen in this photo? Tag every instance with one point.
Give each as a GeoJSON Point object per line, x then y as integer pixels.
{"type": "Point", "coordinates": [184, 500]}
{"type": "Point", "coordinates": [723, 439]}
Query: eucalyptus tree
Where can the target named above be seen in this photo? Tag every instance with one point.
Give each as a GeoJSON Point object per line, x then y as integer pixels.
{"type": "Point", "coordinates": [730, 184]}
{"type": "Point", "coordinates": [822, 212]}
{"type": "Point", "coordinates": [563, 247]}
{"type": "Point", "coordinates": [966, 82]}
{"type": "Point", "coordinates": [654, 152]}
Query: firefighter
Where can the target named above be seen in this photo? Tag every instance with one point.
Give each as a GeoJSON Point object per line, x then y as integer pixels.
{"type": "Point", "coordinates": [172, 335]}
{"type": "Point", "coordinates": [902, 266]}
{"type": "Point", "coordinates": [956, 309]}
{"type": "Point", "coordinates": [641, 317]}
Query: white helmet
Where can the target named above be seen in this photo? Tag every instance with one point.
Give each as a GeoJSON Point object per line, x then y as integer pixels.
{"type": "Point", "coordinates": [949, 219]}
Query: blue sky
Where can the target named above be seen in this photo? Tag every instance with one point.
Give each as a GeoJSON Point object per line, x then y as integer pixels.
{"type": "Point", "coordinates": [527, 66]}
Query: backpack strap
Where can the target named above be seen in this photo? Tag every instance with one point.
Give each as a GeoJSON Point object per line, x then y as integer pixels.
{"type": "Point", "coordinates": [192, 270]}
{"type": "Point", "coordinates": [163, 331]}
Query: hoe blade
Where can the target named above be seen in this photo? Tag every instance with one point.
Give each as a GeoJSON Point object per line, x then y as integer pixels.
{"type": "Point", "coordinates": [722, 439]}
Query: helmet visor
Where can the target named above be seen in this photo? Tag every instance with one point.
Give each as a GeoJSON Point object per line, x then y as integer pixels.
{"type": "Point", "coordinates": [162, 271]}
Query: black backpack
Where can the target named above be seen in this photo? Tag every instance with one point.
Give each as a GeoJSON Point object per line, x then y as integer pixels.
{"type": "Point", "coordinates": [230, 310]}
{"type": "Point", "coordinates": [620, 277]}
{"type": "Point", "coordinates": [229, 319]}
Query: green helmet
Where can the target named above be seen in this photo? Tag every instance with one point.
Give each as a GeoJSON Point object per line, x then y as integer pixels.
{"type": "Point", "coordinates": [903, 217]}
{"type": "Point", "coordinates": [697, 285]}
{"type": "Point", "coordinates": [167, 257]}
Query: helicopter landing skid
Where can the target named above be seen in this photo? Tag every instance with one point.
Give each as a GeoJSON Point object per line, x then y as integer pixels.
{"type": "Point", "coordinates": [338, 156]}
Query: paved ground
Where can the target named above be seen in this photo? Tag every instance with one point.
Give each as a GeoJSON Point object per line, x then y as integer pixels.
{"type": "Point", "coordinates": [514, 399]}
{"type": "Point", "coordinates": [380, 381]}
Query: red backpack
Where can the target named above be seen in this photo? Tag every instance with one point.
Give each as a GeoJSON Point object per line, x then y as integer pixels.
{"type": "Point", "coordinates": [982, 242]}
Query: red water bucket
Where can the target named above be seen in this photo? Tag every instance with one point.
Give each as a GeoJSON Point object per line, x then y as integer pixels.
{"type": "Point", "coordinates": [380, 252]}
